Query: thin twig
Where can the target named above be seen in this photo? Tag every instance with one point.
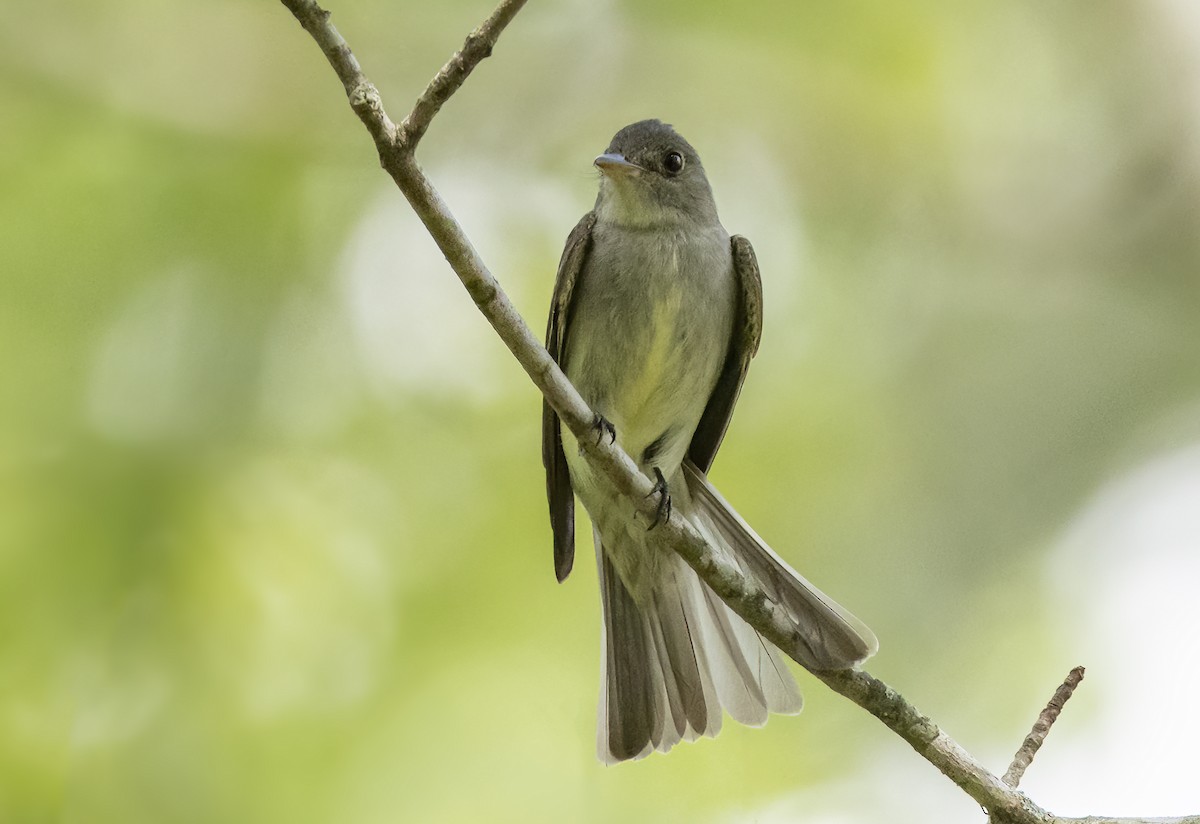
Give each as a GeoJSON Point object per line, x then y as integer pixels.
{"type": "Point", "coordinates": [446, 82]}
{"type": "Point", "coordinates": [396, 147]}
{"type": "Point", "coordinates": [1041, 728]}
{"type": "Point", "coordinates": [939, 749]}
{"type": "Point", "coordinates": [361, 92]}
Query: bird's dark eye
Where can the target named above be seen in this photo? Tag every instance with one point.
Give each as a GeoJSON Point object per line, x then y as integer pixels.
{"type": "Point", "coordinates": [673, 162]}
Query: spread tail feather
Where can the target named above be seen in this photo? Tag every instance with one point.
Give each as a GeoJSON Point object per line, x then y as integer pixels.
{"type": "Point", "coordinates": [671, 664]}
{"type": "Point", "coordinates": [833, 638]}
{"type": "Point", "coordinates": [674, 658]}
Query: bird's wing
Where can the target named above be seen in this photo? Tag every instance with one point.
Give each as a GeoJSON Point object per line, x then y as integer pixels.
{"type": "Point", "coordinates": [558, 479]}
{"type": "Point", "coordinates": [747, 331]}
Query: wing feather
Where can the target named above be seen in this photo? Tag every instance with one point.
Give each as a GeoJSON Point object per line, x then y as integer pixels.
{"type": "Point", "coordinates": [559, 493]}
{"type": "Point", "coordinates": [743, 344]}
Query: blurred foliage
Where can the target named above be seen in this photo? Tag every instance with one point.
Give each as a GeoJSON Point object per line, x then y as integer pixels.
{"type": "Point", "coordinates": [272, 532]}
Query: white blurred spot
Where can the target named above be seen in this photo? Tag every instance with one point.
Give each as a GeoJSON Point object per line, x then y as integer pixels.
{"type": "Point", "coordinates": [1128, 576]}
{"type": "Point", "coordinates": [116, 711]}
{"type": "Point", "coordinates": [1181, 33]}
{"type": "Point", "coordinates": [119, 689]}
{"type": "Point", "coordinates": [756, 199]}
{"type": "Point", "coordinates": [871, 793]}
{"type": "Point", "coordinates": [309, 386]}
{"type": "Point", "coordinates": [415, 324]}
{"type": "Point", "coordinates": [302, 610]}
{"type": "Point", "coordinates": [137, 390]}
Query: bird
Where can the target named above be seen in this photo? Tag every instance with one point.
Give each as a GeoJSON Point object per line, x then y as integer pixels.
{"type": "Point", "coordinates": [656, 313]}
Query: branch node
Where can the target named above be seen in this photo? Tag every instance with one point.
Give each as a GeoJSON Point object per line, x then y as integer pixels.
{"type": "Point", "coordinates": [365, 96]}
{"type": "Point", "coordinates": [478, 45]}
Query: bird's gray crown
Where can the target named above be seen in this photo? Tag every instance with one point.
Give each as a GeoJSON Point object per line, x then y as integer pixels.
{"type": "Point", "coordinates": [647, 144]}
{"type": "Point", "coordinates": [660, 182]}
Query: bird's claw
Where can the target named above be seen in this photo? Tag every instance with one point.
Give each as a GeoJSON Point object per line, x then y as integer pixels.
{"type": "Point", "coordinates": [663, 513]}
{"type": "Point", "coordinates": [603, 427]}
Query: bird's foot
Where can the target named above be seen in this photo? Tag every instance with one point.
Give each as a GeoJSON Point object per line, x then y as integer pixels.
{"type": "Point", "coordinates": [603, 427]}
{"type": "Point", "coordinates": [663, 513]}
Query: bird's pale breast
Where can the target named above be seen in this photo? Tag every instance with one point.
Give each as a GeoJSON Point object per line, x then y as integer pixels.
{"type": "Point", "coordinates": [649, 332]}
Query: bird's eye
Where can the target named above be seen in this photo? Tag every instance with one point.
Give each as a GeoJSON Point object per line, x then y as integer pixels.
{"type": "Point", "coordinates": [673, 162]}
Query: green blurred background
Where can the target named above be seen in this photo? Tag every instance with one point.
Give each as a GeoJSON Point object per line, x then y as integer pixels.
{"type": "Point", "coordinates": [273, 544]}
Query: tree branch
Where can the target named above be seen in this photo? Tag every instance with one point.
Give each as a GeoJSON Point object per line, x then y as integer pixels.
{"type": "Point", "coordinates": [396, 147]}
{"type": "Point", "coordinates": [362, 94]}
{"type": "Point", "coordinates": [1041, 728]}
{"type": "Point", "coordinates": [446, 82]}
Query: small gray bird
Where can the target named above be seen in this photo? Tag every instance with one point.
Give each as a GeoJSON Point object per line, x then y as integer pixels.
{"type": "Point", "coordinates": [656, 314]}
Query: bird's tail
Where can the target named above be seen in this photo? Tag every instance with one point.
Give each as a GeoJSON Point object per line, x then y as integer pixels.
{"type": "Point", "coordinates": [672, 659]}
{"type": "Point", "coordinates": [832, 638]}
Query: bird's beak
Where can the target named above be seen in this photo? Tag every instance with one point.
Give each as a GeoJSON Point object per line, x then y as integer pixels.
{"type": "Point", "coordinates": [616, 164]}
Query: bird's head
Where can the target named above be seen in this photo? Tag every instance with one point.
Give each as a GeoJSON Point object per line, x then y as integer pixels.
{"type": "Point", "coordinates": [650, 176]}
